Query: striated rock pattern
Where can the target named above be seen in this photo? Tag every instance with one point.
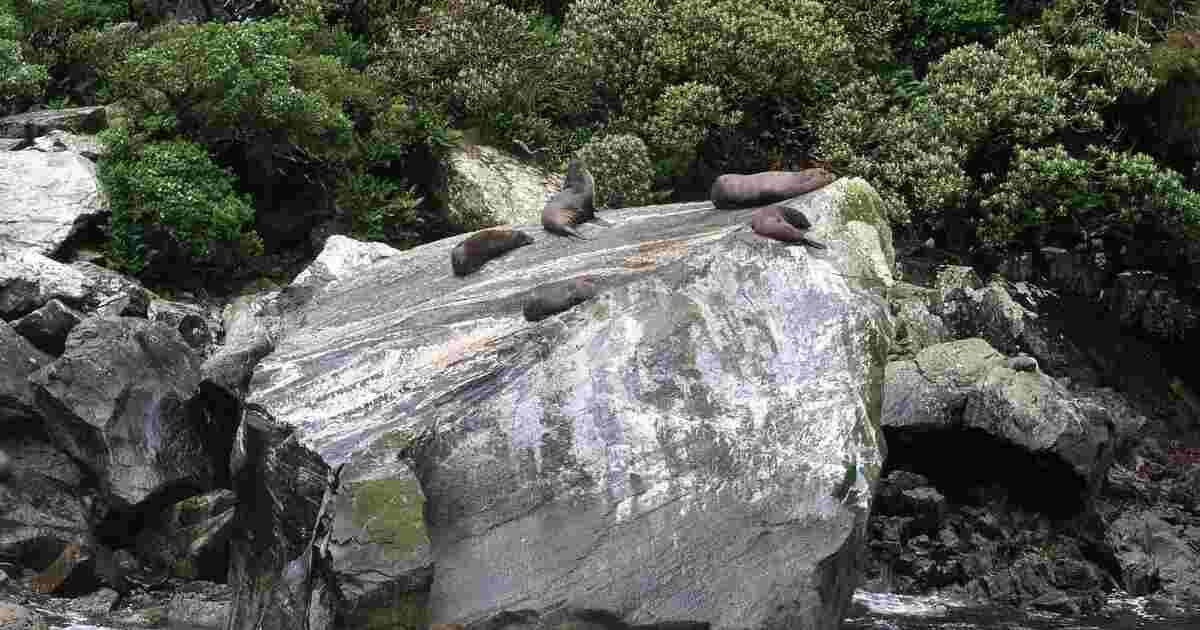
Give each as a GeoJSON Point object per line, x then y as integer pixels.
{"type": "Point", "coordinates": [697, 444]}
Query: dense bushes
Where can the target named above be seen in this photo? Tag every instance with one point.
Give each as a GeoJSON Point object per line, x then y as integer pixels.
{"type": "Point", "coordinates": [173, 184]}
{"type": "Point", "coordinates": [989, 120]}
{"type": "Point", "coordinates": [937, 156]}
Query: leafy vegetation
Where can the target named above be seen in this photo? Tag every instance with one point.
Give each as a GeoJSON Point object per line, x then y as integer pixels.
{"type": "Point", "coordinates": [1002, 124]}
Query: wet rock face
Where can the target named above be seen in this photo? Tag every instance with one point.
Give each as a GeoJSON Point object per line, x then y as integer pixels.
{"type": "Point", "coordinates": [120, 400]}
{"type": "Point", "coordinates": [697, 443]}
{"type": "Point", "coordinates": [278, 568]}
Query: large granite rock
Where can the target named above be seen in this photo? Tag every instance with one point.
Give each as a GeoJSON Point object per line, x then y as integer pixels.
{"type": "Point", "coordinates": [489, 187]}
{"type": "Point", "coordinates": [120, 400]}
{"type": "Point", "coordinates": [29, 280]}
{"type": "Point", "coordinates": [46, 197]}
{"type": "Point", "coordinates": [699, 443]}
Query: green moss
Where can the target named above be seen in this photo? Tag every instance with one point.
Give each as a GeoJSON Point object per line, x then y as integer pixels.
{"type": "Point", "coordinates": [184, 569]}
{"type": "Point", "coordinates": [392, 513]}
{"type": "Point", "coordinates": [410, 611]}
{"type": "Point", "coordinates": [155, 617]}
{"type": "Point", "coordinates": [864, 204]}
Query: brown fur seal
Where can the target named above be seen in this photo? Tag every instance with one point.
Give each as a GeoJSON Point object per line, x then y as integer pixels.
{"type": "Point", "coordinates": [782, 224]}
{"type": "Point", "coordinates": [556, 297]}
{"type": "Point", "coordinates": [575, 204]}
{"type": "Point", "coordinates": [746, 191]}
{"type": "Point", "coordinates": [53, 577]}
{"type": "Point", "coordinates": [471, 254]}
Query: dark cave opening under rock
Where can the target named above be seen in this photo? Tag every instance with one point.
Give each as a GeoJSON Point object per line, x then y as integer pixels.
{"type": "Point", "coordinates": [972, 467]}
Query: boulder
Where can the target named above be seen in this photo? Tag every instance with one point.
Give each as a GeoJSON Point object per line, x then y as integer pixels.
{"type": "Point", "coordinates": [40, 123]}
{"type": "Point", "coordinates": [46, 198]}
{"type": "Point", "coordinates": [120, 400]}
{"type": "Point", "coordinates": [200, 326]}
{"type": "Point", "coordinates": [18, 359]}
{"type": "Point", "coordinates": [278, 565]}
{"type": "Point", "coordinates": [103, 285]}
{"type": "Point", "coordinates": [968, 385]}
{"type": "Point", "coordinates": [917, 327]}
{"type": "Point", "coordinates": [696, 444]}
{"type": "Point", "coordinates": [28, 280]}
{"type": "Point", "coordinates": [190, 540]}
{"type": "Point", "coordinates": [41, 505]}
{"type": "Point", "coordinates": [1153, 551]}
{"type": "Point", "coordinates": [487, 187]}
{"type": "Point", "coordinates": [48, 327]}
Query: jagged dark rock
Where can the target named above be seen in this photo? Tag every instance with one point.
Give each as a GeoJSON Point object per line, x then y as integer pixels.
{"type": "Point", "coordinates": [48, 327]}
{"type": "Point", "coordinates": [279, 568]}
{"type": "Point", "coordinates": [190, 540]}
{"type": "Point", "coordinates": [39, 123]}
{"type": "Point", "coordinates": [120, 400]}
{"type": "Point", "coordinates": [201, 605]}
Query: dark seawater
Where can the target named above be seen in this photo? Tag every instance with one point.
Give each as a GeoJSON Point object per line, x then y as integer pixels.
{"type": "Point", "coordinates": [884, 611]}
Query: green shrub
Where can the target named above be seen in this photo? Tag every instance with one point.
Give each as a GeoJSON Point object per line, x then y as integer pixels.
{"type": "Point", "coordinates": [19, 80]}
{"type": "Point", "coordinates": [621, 167]}
{"type": "Point", "coordinates": [645, 62]}
{"type": "Point", "coordinates": [955, 21]}
{"type": "Point", "coordinates": [485, 66]}
{"type": "Point", "coordinates": [174, 185]}
{"type": "Point", "coordinates": [976, 106]}
{"type": "Point", "coordinates": [380, 209]}
{"type": "Point", "coordinates": [48, 24]}
{"type": "Point", "coordinates": [253, 81]}
{"type": "Point", "coordinates": [1097, 194]}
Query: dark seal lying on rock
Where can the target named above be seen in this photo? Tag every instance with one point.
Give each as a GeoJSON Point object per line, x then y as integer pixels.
{"type": "Point", "coordinates": [575, 204]}
{"type": "Point", "coordinates": [746, 191]}
{"type": "Point", "coordinates": [471, 254]}
{"type": "Point", "coordinates": [782, 224]}
{"type": "Point", "coordinates": [556, 297]}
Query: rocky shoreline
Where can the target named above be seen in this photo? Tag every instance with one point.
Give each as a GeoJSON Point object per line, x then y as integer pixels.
{"type": "Point", "coordinates": [374, 443]}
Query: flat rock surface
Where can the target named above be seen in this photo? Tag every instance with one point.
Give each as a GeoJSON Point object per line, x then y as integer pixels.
{"type": "Point", "coordinates": [46, 197]}
{"type": "Point", "coordinates": [697, 443]}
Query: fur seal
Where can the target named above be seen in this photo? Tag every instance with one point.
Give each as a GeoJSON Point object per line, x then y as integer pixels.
{"type": "Point", "coordinates": [732, 191]}
{"type": "Point", "coordinates": [468, 256]}
{"type": "Point", "coordinates": [782, 224]}
{"type": "Point", "coordinates": [556, 297]}
{"type": "Point", "coordinates": [52, 578]}
{"type": "Point", "coordinates": [575, 204]}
